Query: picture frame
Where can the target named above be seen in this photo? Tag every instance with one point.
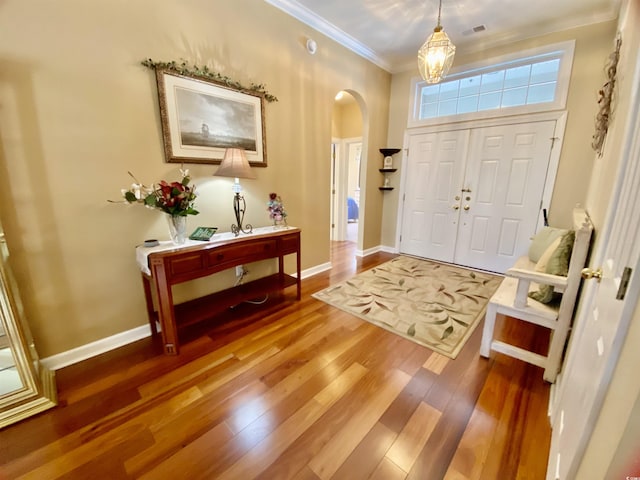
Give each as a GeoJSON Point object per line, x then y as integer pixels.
{"type": "Point", "coordinates": [387, 162]}
{"type": "Point", "coordinates": [201, 118]}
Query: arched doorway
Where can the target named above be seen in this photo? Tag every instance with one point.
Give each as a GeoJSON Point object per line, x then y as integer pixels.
{"type": "Point", "coordinates": [346, 168]}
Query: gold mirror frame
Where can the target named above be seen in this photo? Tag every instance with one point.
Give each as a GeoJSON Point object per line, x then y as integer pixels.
{"type": "Point", "coordinates": [38, 391]}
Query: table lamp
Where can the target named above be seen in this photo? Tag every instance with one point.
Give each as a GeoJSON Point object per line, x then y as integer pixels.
{"type": "Point", "coordinates": [235, 165]}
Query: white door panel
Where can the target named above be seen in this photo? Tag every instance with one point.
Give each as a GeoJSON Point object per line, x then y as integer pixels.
{"type": "Point", "coordinates": [434, 175]}
{"type": "Point", "coordinates": [506, 173]}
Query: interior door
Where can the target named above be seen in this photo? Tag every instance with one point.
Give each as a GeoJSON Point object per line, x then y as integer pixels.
{"type": "Point", "coordinates": [502, 193]}
{"type": "Point", "coordinates": [435, 171]}
{"type": "Point", "coordinates": [602, 322]}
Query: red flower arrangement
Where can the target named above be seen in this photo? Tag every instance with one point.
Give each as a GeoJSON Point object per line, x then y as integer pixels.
{"type": "Point", "coordinates": [175, 198]}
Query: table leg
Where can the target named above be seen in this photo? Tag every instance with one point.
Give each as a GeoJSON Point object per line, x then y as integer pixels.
{"type": "Point", "coordinates": [146, 284]}
{"type": "Point", "coordinates": [166, 312]}
{"type": "Point", "coordinates": [298, 277]}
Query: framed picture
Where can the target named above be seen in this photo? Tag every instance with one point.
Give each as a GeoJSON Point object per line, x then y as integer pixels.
{"type": "Point", "coordinates": [201, 119]}
{"type": "Point", "coordinates": [387, 162]}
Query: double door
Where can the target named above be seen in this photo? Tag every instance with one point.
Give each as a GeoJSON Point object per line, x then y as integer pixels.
{"type": "Point", "coordinates": [473, 196]}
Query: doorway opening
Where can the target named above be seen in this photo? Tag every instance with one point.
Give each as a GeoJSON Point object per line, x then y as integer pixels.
{"type": "Point", "coordinates": [346, 167]}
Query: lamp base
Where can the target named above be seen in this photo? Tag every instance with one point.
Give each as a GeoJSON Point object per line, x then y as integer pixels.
{"type": "Point", "coordinates": [239, 207]}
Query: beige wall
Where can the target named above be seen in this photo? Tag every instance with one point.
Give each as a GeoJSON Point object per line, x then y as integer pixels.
{"type": "Point", "coordinates": [593, 45]}
{"type": "Point", "coordinates": [347, 119]}
{"type": "Point", "coordinates": [78, 112]}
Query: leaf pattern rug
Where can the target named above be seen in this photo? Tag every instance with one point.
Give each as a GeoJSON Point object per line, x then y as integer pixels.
{"type": "Point", "coordinates": [434, 304]}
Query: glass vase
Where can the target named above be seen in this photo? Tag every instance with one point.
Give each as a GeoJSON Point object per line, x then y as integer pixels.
{"type": "Point", "coordinates": [279, 223]}
{"type": "Point", "coordinates": [177, 228]}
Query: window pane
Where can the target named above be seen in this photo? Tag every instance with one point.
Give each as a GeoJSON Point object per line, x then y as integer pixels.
{"type": "Point", "coordinates": [470, 86]}
{"type": "Point", "coordinates": [520, 82]}
{"type": "Point", "coordinates": [542, 93]}
{"type": "Point", "coordinates": [517, 77]}
{"type": "Point", "coordinates": [430, 93]}
{"type": "Point", "coordinates": [468, 104]}
{"type": "Point", "coordinates": [448, 107]}
{"type": "Point", "coordinates": [449, 90]}
{"type": "Point", "coordinates": [489, 101]}
{"type": "Point", "coordinates": [492, 81]}
{"type": "Point", "coordinates": [429, 110]}
{"type": "Point", "coordinates": [545, 71]}
{"type": "Point", "coordinates": [514, 97]}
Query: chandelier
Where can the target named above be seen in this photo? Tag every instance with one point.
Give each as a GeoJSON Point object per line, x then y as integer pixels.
{"type": "Point", "coordinates": [436, 55]}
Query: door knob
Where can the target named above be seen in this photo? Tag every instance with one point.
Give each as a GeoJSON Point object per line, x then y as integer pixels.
{"type": "Point", "coordinates": [466, 207]}
{"type": "Point", "coordinates": [456, 207]}
{"type": "Point", "coordinates": [588, 273]}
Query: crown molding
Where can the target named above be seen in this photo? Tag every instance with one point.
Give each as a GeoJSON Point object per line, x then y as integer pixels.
{"type": "Point", "coordinates": [306, 16]}
{"type": "Point", "coordinates": [512, 36]}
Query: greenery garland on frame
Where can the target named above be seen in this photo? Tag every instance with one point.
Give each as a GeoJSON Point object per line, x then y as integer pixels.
{"type": "Point", "coordinates": [194, 70]}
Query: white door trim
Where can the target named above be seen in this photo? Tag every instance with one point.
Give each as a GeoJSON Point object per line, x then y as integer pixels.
{"type": "Point", "coordinates": [339, 200]}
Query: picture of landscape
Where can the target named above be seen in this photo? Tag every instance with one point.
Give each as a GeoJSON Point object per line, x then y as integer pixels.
{"type": "Point", "coordinates": [210, 121]}
{"type": "Point", "coordinates": [201, 119]}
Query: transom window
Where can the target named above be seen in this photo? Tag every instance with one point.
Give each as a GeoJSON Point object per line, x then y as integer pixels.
{"type": "Point", "coordinates": [533, 82]}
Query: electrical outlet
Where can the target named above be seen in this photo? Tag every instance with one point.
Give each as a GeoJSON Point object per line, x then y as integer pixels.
{"type": "Point", "coordinates": [239, 271]}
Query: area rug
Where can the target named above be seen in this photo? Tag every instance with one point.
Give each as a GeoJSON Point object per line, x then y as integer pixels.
{"type": "Point", "coordinates": [434, 304]}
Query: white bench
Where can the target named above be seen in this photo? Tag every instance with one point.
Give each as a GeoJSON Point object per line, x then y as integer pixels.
{"type": "Point", "coordinates": [511, 299]}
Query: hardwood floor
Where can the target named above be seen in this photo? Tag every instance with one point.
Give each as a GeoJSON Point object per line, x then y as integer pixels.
{"type": "Point", "coordinates": [291, 390]}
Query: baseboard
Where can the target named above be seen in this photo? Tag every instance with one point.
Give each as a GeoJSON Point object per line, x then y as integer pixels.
{"type": "Point", "coordinates": [371, 251]}
{"type": "Point", "coordinates": [84, 352]}
{"type": "Point", "coordinates": [75, 355]}
{"type": "Point", "coordinates": [310, 272]}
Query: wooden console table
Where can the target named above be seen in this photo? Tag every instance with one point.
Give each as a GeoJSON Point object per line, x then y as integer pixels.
{"type": "Point", "coordinates": [168, 265]}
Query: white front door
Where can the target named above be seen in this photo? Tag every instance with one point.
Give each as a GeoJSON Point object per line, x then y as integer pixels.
{"type": "Point", "coordinates": [603, 320]}
{"type": "Point", "coordinates": [434, 176]}
{"type": "Point", "coordinates": [473, 196]}
{"type": "Point", "coordinates": [502, 193]}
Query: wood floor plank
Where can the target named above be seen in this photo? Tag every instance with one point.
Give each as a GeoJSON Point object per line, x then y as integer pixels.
{"type": "Point", "coordinates": [267, 451]}
{"type": "Point", "coordinates": [443, 442]}
{"type": "Point", "coordinates": [413, 437]}
{"type": "Point", "coordinates": [241, 349]}
{"type": "Point", "coordinates": [187, 462]}
{"type": "Point", "coordinates": [366, 457]}
{"type": "Point", "coordinates": [436, 363]}
{"type": "Point", "coordinates": [475, 446]}
{"type": "Point", "coordinates": [387, 470]}
{"type": "Point", "coordinates": [405, 404]}
{"type": "Point", "coordinates": [327, 462]}
{"type": "Point", "coordinates": [321, 433]}
{"type": "Point", "coordinates": [191, 423]}
{"type": "Point", "coordinates": [248, 413]}
{"type": "Point", "coordinates": [279, 391]}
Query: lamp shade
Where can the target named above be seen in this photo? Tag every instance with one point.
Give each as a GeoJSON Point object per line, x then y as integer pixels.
{"type": "Point", "coordinates": [234, 164]}
{"type": "Point", "coordinates": [435, 57]}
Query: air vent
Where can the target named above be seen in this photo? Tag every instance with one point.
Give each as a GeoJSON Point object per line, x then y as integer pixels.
{"type": "Point", "coordinates": [476, 29]}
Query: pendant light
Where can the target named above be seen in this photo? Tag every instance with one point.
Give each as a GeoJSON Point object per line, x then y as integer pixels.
{"type": "Point", "coordinates": [436, 55]}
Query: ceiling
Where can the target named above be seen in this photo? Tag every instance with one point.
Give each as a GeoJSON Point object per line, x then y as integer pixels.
{"type": "Point", "coordinates": [390, 32]}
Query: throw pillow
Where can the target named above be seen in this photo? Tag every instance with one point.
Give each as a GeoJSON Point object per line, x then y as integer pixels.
{"type": "Point", "coordinates": [558, 264]}
{"type": "Point", "coordinates": [541, 241]}
{"type": "Point", "coordinates": [541, 266]}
